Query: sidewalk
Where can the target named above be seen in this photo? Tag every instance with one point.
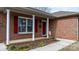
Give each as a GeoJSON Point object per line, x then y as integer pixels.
{"type": "Point", "coordinates": [54, 46]}
{"type": "Point", "coordinates": [2, 47]}
{"type": "Point", "coordinates": [73, 47]}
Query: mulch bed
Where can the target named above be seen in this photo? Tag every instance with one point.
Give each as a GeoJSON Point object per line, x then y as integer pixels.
{"type": "Point", "coordinates": [36, 43]}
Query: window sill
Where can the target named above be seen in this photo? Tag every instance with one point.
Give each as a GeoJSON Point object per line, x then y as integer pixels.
{"type": "Point", "coordinates": [24, 32]}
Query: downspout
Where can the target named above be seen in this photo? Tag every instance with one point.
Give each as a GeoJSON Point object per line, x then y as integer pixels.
{"type": "Point", "coordinates": [77, 29]}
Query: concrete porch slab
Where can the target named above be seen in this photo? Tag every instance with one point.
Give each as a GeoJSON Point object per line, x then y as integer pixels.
{"type": "Point", "coordinates": [26, 40]}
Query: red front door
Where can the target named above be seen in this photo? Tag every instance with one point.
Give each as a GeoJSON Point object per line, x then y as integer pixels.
{"type": "Point", "coordinates": [43, 28]}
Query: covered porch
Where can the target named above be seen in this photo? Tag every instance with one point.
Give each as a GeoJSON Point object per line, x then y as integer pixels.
{"type": "Point", "coordinates": [35, 14]}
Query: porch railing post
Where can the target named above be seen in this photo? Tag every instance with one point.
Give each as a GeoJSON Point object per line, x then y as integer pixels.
{"type": "Point", "coordinates": [33, 33]}
{"type": "Point", "coordinates": [47, 27]}
{"type": "Point", "coordinates": [7, 26]}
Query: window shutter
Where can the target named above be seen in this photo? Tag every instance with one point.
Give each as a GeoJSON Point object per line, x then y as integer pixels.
{"type": "Point", "coordinates": [15, 24]}
{"type": "Point", "coordinates": [36, 25]}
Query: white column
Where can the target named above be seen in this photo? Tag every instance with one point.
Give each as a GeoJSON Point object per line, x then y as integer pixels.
{"type": "Point", "coordinates": [33, 33]}
{"type": "Point", "coordinates": [7, 26]}
{"type": "Point", "coordinates": [47, 27]}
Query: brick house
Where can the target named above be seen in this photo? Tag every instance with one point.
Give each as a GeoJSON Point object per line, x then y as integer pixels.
{"type": "Point", "coordinates": [19, 24]}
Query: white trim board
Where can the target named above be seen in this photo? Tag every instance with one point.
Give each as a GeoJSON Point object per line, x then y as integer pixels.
{"type": "Point", "coordinates": [66, 39]}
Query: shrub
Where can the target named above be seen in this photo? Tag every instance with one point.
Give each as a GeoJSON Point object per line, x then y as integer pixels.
{"type": "Point", "coordinates": [12, 47]}
{"type": "Point", "coordinates": [24, 48]}
{"type": "Point", "coordinates": [41, 44]}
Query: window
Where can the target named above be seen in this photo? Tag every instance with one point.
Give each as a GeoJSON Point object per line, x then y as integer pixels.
{"type": "Point", "coordinates": [29, 25]}
{"type": "Point", "coordinates": [25, 25]}
{"type": "Point", "coordinates": [22, 25]}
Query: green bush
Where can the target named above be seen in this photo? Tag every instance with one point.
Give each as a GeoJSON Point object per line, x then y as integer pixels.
{"type": "Point", "coordinates": [24, 48]}
{"type": "Point", "coordinates": [13, 47]}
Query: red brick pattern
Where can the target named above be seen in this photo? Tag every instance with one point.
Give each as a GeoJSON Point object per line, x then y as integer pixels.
{"type": "Point", "coordinates": [65, 28]}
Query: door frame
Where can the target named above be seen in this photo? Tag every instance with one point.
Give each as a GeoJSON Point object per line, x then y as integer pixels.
{"type": "Point", "coordinates": [42, 28]}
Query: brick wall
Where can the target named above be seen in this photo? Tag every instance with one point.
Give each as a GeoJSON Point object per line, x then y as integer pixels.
{"type": "Point", "coordinates": [65, 28]}
{"type": "Point", "coordinates": [2, 27]}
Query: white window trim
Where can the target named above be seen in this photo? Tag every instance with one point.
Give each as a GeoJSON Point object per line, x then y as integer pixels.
{"type": "Point", "coordinates": [44, 20]}
{"type": "Point", "coordinates": [24, 32]}
{"type": "Point", "coordinates": [26, 25]}
{"type": "Point", "coordinates": [24, 17]}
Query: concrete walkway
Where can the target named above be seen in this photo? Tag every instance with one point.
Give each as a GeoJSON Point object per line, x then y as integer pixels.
{"type": "Point", "coordinates": [55, 46]}
{"type": "Point", "coordinates": [72, 47]}
{"type": "Point", "coordinates": [2, 47]}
